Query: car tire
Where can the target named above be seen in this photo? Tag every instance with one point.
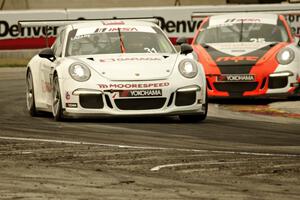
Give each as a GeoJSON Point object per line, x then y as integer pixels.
{"type": "Point", "coordinates": [195, 118]}
{"type": "Point", "coordinates": [30, 98]}
{"type": "Point", "coordinates": [56, 101]}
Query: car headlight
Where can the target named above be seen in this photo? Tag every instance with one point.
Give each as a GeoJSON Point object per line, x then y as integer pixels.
{"type": "Point", "coordinates": [285, 56]}
{"type": "Point", "coordinates": [79, 72]}
{"type": "Point", "coordinates": [188, 68]}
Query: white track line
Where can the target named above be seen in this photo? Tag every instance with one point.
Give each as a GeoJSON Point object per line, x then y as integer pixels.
{"type": "Point", "coordinates": [79, 143]}
{"type": "Point", "coordinates": [147, 148]}
{"type": "Point", "coordinates": [159, 167]}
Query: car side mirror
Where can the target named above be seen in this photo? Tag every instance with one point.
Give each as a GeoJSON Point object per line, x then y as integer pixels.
{"type": "Point", "coordinates": [186, 48]}
{"type": "Point", "coordinates": [181, 40]}
{"type": "Point", "coordinates": [48, 54]}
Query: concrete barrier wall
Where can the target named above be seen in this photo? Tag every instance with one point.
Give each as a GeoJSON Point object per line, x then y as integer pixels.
{"type": "Point", "coordinates": [55, 4]}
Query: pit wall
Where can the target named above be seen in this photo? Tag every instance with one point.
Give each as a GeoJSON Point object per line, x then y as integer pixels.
{"type": "Point", "coordinates": [61, 4]}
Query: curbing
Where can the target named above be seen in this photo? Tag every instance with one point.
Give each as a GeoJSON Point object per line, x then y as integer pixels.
{"type": "Point", "coordinates": [292, 107]}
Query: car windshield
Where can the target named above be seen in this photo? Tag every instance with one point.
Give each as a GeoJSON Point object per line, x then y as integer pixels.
{"type": "Point", "coordinates": [243, 32]}
{"type": "Point", "coordinates": [117, 40]}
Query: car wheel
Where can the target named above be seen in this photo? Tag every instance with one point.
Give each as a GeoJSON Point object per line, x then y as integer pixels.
{"type": "Point", "coordinates": [30, 102]}
{"type": "Point", "coordinates": [56, 101]}
{"type": "Point", "coordinates": [196, 117]}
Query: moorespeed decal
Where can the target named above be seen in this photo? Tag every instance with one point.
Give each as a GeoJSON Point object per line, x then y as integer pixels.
{"type": "Point", "coordinates": [130, 59]}
{"type": "Point", "coordinates": [133, 85]}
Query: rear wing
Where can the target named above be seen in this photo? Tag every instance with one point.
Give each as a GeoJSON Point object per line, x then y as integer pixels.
{"type": "Point", "coordinates": [48, 23]}
{"type": "Point", "coordinates": [282, 9]}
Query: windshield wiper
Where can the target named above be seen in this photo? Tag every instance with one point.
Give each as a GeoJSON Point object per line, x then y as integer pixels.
{"type": "Point", "coordinates": [204, 45]}
{"type": "Point", "coordinates": [273, 44]}
{"type": "Point", "coordinates": [122, 47]}
{"type": "Point", "coordinates": [241, 33]}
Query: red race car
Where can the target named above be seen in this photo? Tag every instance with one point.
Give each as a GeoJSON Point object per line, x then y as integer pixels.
{"type": "Point", "coordinates": [248, 55]}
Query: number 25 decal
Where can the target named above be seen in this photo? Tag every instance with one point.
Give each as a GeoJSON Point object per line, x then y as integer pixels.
{"type": "Point", "coordinates": [257, 39]}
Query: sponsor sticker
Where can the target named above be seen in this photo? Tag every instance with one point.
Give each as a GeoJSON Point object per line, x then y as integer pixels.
{"type": "Point", "coordinates": [68, 96]}
{"type": "Point", "coordinates": [244, 20]}
{"type": "Point", "coordinates": [133, 85]}
{"type": "Point", "coordinates": [140, 93]}
{"type": "Point", "coordinates": [130, 59]}
{"type": "Point", "coordinates": [237, 58]}
{"type": "Point", "coordinates": [236, 78]}
{"type": "Point", "coordinates": [86, 32]}
{"type": "Point", "coordinates": [113, 22]}
{"type": "Point", "coordinates": [71, 105]}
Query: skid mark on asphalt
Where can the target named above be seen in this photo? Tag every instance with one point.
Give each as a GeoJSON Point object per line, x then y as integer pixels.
{"type": "Point", "coordinates": [147, 148]}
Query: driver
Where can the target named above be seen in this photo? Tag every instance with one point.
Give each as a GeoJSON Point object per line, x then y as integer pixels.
{"type": "Point", "coordinates": [101, 44]}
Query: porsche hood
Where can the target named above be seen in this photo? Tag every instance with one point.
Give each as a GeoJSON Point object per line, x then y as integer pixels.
{"type": "Point", "coordinates": [124, 67]}
{"type": "Point", "coordinates": [238, 53]}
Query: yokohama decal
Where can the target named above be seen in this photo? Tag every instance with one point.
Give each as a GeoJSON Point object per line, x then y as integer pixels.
{"type": "Point", "coordinates": [236, 78]}
{"type": "Point", "coordinates": [140, 93]}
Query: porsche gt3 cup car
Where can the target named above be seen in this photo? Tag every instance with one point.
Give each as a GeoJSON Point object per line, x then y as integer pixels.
{"type": "Point", "coordinates": [248, 55]}
{"type": "Point", "coordinates": [117, 67]}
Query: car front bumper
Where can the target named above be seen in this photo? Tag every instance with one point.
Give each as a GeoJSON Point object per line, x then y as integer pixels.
{"type": "Point", "coordinates": [103, 100]}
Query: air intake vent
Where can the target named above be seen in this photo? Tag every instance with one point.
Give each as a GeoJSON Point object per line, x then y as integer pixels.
{"type": "Point", "coordinates": [91, 101]}
{"type": "Point", "coordinates": [140, 103]}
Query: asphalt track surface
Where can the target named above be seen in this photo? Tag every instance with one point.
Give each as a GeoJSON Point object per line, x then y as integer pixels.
{"type": "Point", "coordinates": [230, 155]}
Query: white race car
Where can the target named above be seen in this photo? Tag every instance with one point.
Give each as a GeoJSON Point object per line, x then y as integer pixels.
{"type": "Point", "coordinates": [115, 67]}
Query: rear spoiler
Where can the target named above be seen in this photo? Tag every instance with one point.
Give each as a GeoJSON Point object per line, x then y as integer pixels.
{"type": "Point", "coordinates": [219, 10]}
{"type": "Point", "coordinates": [64, 22]}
